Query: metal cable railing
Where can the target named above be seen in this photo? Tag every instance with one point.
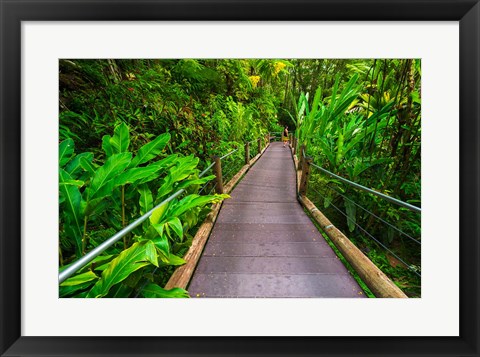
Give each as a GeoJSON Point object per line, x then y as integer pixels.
{"type": "Point", "coordinates": [228, 173]}
{"type": "Point", "coordinates": [231, 164]}
{"type": "Point", "coordinates": [227, 155]}
{"type": "Point", "coordinates": [209, 167]}
{"type": "Point", "coordinates": [387, 198]}
{"type": "Point", "coordinates": [209, 183]}
{"type": "Point", "coordinates": [374, 215]}
{"type": "Point", "coordinates": [205, 187]}
{"type": "Point", "coordinates": [409, 266]}
{"type": "Point", "coordinates": [366, 189]}
{"type": "Point", "coordinates": [369, 190]}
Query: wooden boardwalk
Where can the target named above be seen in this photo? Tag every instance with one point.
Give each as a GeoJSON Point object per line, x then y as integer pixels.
{"type": "Point", "coordinates": [264, 245]}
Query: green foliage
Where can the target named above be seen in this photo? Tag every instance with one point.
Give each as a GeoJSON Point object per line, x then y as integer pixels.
{"type": "Point", "coordinates": [97, 196]}
{"type": "Point", "coordinates": [155, 291]}
{"type": "Point", "coordinates": [130, 260]}
{"type": "Point", "coordinates": [369, 132]}
{"type": "Point", "coordinates": [200, 103]}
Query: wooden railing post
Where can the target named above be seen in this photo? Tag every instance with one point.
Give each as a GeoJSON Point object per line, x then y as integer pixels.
{"type": "Point", "coordinates": [259, 146]}
{"type": "Point", "coordinates": [217, 169]}
{"type": "Point", "coordinates": [305, 176]}
{"type": "Point", "coordinates": [294, 145]}
{"type": "Point", "coordinates": [300, 157]}
{"type": "Point", "coordinates": [247, 153]}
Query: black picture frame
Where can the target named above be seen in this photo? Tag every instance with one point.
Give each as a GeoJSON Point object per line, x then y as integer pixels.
{"type": "Point", "coordinates": [467, 12]}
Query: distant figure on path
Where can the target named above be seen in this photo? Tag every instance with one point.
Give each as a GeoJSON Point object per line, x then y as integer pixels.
{"type": "Point", "coordinates": [285, 136]}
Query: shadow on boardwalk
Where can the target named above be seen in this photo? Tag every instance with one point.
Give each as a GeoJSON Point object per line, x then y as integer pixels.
{"type": "Point", "coordinates": [264, 245]}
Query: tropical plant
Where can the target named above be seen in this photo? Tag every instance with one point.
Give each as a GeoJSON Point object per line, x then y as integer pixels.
{"type": "Point", "coordinates": [357, 132]}
{"type": "Point", "coordinates": [96, 200]}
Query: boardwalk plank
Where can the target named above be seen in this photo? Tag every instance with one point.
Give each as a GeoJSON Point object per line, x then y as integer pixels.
{"type": "Point", "coordinates": [262, 233]}
{"type": "Point", "coordinates": [222, 285]}
{"type": "Point", "coordinates": [264, 245]}
{"type": "Point", "coordinates": [268, 249]}
{"type": "Point", "coordinates": [270, 265]}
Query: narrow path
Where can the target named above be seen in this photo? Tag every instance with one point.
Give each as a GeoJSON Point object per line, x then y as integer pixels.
{"type": "Point", "coordinates": [264, 245]}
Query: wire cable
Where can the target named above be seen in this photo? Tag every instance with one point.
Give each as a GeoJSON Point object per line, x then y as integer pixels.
{"type": "Point", "coordinates": [205, 171]}
{"type": "Point", "coordinates": [369, 190]}
{"type": "Point", "coordinates": [373, 214]}
{"type": "Point", "coordinates": [371, 236]}
{"type": "Point", "coordinates": [227, 155]}
{"type": "Point", "coordinates": [204, 187]}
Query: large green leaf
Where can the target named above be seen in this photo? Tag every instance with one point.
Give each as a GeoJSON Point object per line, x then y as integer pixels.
{"type": "Point", "coordinates": [87, 165]}
{"type": "Point", "coordinates": [161, 166]}
{"type": "Point", "coordinates": [127, 262]}
{"type": "Point", "coordinates": [326, 148]}
{"type": "Point", "coordinates": [333, 98]}
{"type": "Point", "coordinates": [80, 279]}
{"type": "Point", "coordinates": [78, 183]}
{"type": "Point", "coordinates": [73, 207]}
{"type": "Point", "coordinates": [146, 199]}
{"type": "Point", "coordinates": [103, 180]}
{"type": "Point", "coordinates": [106, 146]}
{"type": "Point", "coordinates": [160, 228]}
{"type": "Point", "coordinates": [184, 168]}
{"type": "Point", "coordinates": [173, 223]}
{"type": "Point", "coordinates": [120, 291]}
{"type": "Point", "coordinates": [158, 213]}
{"type": "Point", "coordinates": [166, 187]}
{"type": "Point", "coordinates": [136, 174]}
{"type": "Point", "coordinates": [65, 152]}
{"type": "Point", "coordinates": [96, 206]}
{"type": "Point", "coordinates": [174, 260]}
{"type": "Point", "coordinates": [155, 291]}
{"type": "Point", "coordinates": [151, 254]}
{"type": "Point", "coordinates": [339, 154]}
{"type": "Point", "coordinates": [74, 165]}
{"type": "Point", "coordinates": [190, 218]}
{"type": "Point", "coordinates": [161, 242]}
{"type": "Point", "coordinates": [343, 105]}
{"type": "Point", "coordinates": [150, 150]}
{"type": "Point", "coordinates": [100, 260]}
{"type": "Point", "coordinates": [121, 139]}
{"type": "Point", "coordinates": [192, 201]}
{"type": "Point", "coordinates": [166, 162]}
{"type": "Point", "coordinates": [316, 102]}
{"type": "Point", "coordinates": [76, 291]}
{"type": "Point", "coordinates": [176, 225]}
{"type": "Point", "coordinates": [351, 214]}
{"type": "Point", "coordinates": [195, 181]}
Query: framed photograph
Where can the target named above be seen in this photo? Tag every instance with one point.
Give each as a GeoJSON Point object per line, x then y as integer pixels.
{"type": "Point", "coordinates": [443, 34]}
